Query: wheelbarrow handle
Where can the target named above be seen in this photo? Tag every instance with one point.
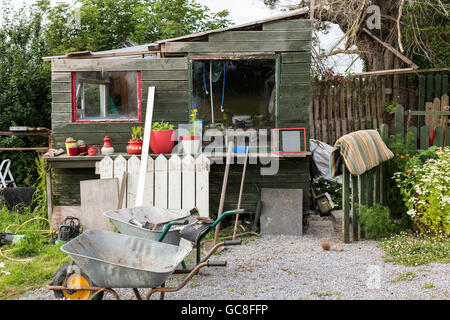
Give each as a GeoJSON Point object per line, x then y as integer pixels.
{"type": "Point", "coordinates": [216, 263]}
{"type": "Point", "coordinates": [232, 242]}
{"type": "Point", "coordinates": [166, 229]}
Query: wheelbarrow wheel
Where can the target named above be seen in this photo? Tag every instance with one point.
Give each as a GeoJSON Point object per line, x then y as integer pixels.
{"type": "Point", "coordinates": [76, 278]}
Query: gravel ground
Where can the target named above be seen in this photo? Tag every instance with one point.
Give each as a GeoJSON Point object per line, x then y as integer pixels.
{"type": "Point", "coordinates": [287, 267]}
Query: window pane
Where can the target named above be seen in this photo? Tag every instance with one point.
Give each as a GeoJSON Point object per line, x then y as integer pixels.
{"type": "Point", "coordinates": [106, 96]}
{"type": "Point", "coordinates": [244, 88]}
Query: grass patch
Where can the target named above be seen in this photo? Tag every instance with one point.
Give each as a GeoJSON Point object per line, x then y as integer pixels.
{"type": "Point", "coordinates": [43, 260]}
{"type": "Point", "coordinates": [428, 286]}
{"type": "Point", "coordinates": [405, 276]}
{"type": "Point", "coordinates": [326, 294]}
{"type": "Point", "coordinates": [413, 249]}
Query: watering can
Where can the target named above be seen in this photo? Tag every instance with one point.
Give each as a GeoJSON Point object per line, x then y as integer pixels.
{"type": "Point", "coordinates": [92, 152]}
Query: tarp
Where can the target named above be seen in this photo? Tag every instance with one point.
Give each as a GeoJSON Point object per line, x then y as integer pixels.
{"type": "Point", "coordinates": [360, 151]}
{"type": "Point", "coordinates": [321, 155]}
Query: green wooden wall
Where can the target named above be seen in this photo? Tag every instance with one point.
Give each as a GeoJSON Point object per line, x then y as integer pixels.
{"type": "Point", "coordinates": [290, 39]}
{"type": "Point", "coordinates": [169, 76]}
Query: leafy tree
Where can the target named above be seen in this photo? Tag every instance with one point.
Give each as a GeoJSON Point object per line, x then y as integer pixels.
{"type": "Point", "coordinates": [107, 24]}
{"type": "Point", "coordinates": [24, 81]}
{"type": "Point", "coordinates": [32, 32]}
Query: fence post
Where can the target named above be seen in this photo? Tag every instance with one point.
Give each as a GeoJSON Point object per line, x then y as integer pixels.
{"type": "Point", "coordinates": [399, 120]}
{"type": "Point", "coordinates": [355, 208]}
{"type": "Point", "coordinates": [346, 204]}
{"type": "Point", "coordinates": [377, 175]}
{"type": "Point", "coordinates": [370, 182]}
{"type": "Point", "coordinates": [424, 137]}
{"type": "Point", "coordinates": [362, 199]}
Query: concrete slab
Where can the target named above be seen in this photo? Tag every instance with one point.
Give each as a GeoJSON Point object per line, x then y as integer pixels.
{"type": "Point", "coordinates": [281, 212]}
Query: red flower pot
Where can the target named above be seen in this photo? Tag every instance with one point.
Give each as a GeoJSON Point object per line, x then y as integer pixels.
{"type": "Point", "coordinates": [83, 149]}
{"type": "Point", "coordinates": [162, 141]}
{"type": "Point", "coordinates": [74, 151]}
{"type": "Point", "coordinates": [134, 146]}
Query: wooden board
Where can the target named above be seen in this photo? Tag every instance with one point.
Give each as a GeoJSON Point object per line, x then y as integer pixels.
{"type": "Point", "coordinates": [98, 196]}
{"type": "Point", "coordinates": [188, 179]}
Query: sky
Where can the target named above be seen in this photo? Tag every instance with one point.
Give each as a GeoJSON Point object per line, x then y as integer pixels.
{"type": "Point", "coordinates": [243, 11]}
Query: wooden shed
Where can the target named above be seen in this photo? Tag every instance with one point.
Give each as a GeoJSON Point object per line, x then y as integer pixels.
{"type": "Point", "coordinates": [259, 74]}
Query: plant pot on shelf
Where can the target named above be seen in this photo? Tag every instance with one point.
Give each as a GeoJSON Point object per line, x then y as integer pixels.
{"type": "Point", "coordinates": [134, 146]}
{"type": "Point", "coordinates": [190, 144]}
{"type": "Point", "coordinates": [73, 150]}
{"type": "Point", "coordinates": [69, 142]}
{"type": "Point", "coordinates": [162, 141]}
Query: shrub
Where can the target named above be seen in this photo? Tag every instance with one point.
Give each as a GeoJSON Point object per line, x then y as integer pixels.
{"type": "Point", "coordinates": [425, 189]}
{"type": "Point", "coordinates": [377, 222]}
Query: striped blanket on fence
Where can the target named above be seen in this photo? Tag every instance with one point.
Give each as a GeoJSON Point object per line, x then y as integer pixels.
{"type": "Point", "coordinates": [360, 151]}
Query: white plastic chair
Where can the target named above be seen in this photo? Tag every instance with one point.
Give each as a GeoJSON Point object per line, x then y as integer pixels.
{"type": "Point", "coordinates": [6, 177]}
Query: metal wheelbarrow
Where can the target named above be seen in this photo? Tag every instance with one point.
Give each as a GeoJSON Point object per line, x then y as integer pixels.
{"type": "Point", "coordinates": [103, 260]}
{"type": "Point", "coordinates": [169, 225]}
{"type": "Point", "coordinates": [150, 222]}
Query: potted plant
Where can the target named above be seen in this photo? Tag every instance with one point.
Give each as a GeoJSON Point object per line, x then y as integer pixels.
{"type": "Point", "coordinates": [162, 137]}
{"type": "Point", "coordinates": [135, 143]}
{"type": "Point", "coordinates": [69, 141]}
{"type": "Point", "coordinates": [191, 142]}
{"type": "Point", "coordinates": [73, 149]}
{"type": "Point", "coordinates": [82, 145]}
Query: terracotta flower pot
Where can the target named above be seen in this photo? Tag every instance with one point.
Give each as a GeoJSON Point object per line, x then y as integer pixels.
{"type": "Point", "coordinates": [162, 141]}
{"type": "Point", "coordinates": [134, 146]}
{"type": "Point", "coordinates": [190, 144]}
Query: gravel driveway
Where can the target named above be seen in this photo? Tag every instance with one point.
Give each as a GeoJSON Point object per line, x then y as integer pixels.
{"type": "Point", "coordinates": [287, 267]}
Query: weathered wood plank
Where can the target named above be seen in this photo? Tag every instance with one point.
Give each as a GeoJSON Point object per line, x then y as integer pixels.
{"type": "Point", "coordinates": [107, 168]}
{"type": "Point", "coordinates": [439, 137]}
{"type": "Point", "coordinates": [278, 35]}
{"type": "Point", "coordinates": [161, 182]}
{"type": "Point", "coordinates": [62, 87]}
{"type": "Point", "coordinates": [58, 107]}
{"type": "Point", "coordinates": [156, 75]}
{"type": "Point", "coordinates": [288, 25]}
{"type": "Point", "coordinates": [421, 107]}
{"type": "Point", "coordinates": [120, 166]}
{"type": "Point", "coordinates": [301, 68]}
{"type": "Point", "coordinates": [188, 182]}
{"type": "Point", "coordinates": [303, 78]}
{"type": "Point", "coordinates": [61, 77]}
{"type": "Point", "coordinates": [202, 168]}
{"type": "Point", "coordinates": [166, 85]}
{"type": "Point", "coordinates": [243, 46]}
{"type": "Point", "coordinates": [62, 97]}
{"type": "Point", "coordinates": [346, 204]}
{"type": "Point", "coordinates": [64, 65]}
{"type": "Point", "coordinates": [295, 57]}
{"type": "Point", "coordinates": [132, 180]}
{"type": "Point", "coordinates": [354, 207]}
{"type": "Point", "coordinates": [174, 183]}
{"type": "Point", "coordinates": [424, 137]}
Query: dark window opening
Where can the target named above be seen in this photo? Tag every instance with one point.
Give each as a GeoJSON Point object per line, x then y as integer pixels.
{"type": "Point", "coordinates": [243, 91]}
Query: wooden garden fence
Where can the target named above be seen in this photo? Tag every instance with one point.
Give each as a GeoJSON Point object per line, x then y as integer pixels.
{"type": "Point", "coordinates": [359, 102]}
{"type": "Point", "coordinates": [176, 183]}
{"type": "Point", "coordinates": [370, 188]}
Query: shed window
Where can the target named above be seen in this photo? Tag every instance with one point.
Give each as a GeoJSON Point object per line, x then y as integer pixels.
{"type": "Point", "coordinates": [243, 91]}
{"type": "Point", "coordinates": [106, 96]}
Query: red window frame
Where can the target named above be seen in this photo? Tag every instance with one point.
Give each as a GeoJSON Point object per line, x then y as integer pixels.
{"type": "Point", "coordinates": [74, 104]}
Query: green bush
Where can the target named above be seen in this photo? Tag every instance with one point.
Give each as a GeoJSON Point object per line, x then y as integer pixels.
{"type": "Point", "coordinates": [377, 222]}
{"type": "Point", "coordinates": [425, 189]}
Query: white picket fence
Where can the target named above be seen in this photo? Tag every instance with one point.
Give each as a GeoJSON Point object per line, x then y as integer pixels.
{"type": "Point", "coordinates": [176, 183]}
